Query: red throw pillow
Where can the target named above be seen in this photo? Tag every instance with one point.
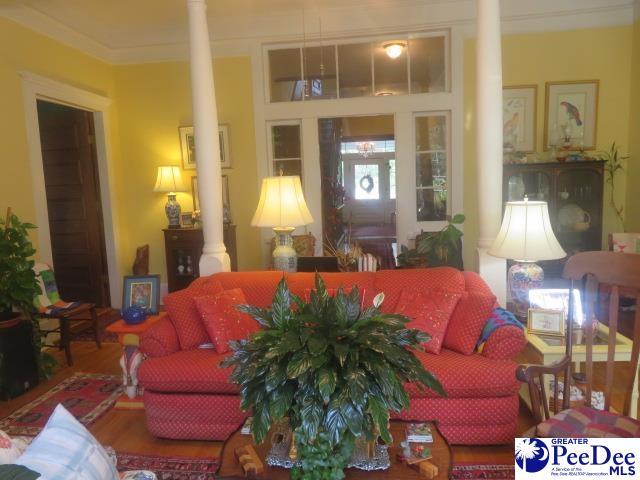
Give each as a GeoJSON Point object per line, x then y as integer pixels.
{"type": "Point", "coordinates": [467, 321]}
{"type": "Point", "coordinates": [429, 312]}
{"type": "Point", "coordinates": [221, 319]}
{"type": "Point", "coordinates": [185, 316]}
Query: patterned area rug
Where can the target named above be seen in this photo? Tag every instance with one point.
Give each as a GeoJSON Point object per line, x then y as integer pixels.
{"type": "Point", "coordinates": [87, 396]}
{"type": "Point", "coordinates": [170, 468]}
{"type": "Point", "coordinates": [481, 472]}
{"type": "Point", "coordinates": [87, 335]}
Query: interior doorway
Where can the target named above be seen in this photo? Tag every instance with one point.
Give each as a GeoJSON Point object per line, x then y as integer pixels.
{"type": "Point", "coordinates": [358, 166]}
{"type": "Point", "coordinates": [72, 187]}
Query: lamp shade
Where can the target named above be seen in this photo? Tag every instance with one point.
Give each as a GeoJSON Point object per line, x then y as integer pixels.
{"type": "Point", "coordinates": [169, 180]}
{"type": "Point", "coordinates": [281, 204]}
{"type": "Point", "coordinates": [526, 234]}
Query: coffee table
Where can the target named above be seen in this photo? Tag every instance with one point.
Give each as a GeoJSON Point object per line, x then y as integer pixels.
{"type": "Point", "coordinates": [230, 468]}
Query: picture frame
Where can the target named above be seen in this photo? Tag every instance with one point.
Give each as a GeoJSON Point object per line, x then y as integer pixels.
{"type": "Point", "coordinates": [196, 194]}
{"type": "Point", "coordinates": [186, 219]}
{"type": "Point", "coordinates": [519, 112]}
{"type": "Point", "coordinates": [141, 290]}
{"type": "Point", "coordinates": [571, 113]}
{"type": "Point", "coordinates": [544, 321]}
{"type": "Point", "coordinates": [187, 147]}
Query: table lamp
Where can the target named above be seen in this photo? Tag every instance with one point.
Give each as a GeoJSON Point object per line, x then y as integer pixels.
{"type": "Point", "coordinates": [282, 207]}
{"type": "Point", "coordinates": [526, 236]}
{"type": "Point", "coordinates": [169, 181]}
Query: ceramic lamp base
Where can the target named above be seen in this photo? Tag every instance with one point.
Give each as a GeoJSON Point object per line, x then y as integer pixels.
{"type": "Point", "coordinates": [285, 257]}
{"type": "Point", "coordinates": [172, 209]}
{"type": "Point", "coordinates": [523, 277]}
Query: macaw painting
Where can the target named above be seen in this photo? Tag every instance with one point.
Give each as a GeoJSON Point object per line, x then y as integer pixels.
{"type": "Point", "coordinates": [572, 109]}
{"type": "Point", "coordinates": [513, 119]}
{"type": "Point", "coordinates": [571, 112]}
{"type": "Point", "coordinates": [519, 117]}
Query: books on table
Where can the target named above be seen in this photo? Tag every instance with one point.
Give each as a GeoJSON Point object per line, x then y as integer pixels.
{"type": "Point", "coordinates": [419, 433]}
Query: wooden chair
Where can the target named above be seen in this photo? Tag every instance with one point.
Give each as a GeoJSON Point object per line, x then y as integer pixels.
{"type": "Point", "coordinates": [49, 305]}
{"type": "Point", "coordinates": [586, 271]}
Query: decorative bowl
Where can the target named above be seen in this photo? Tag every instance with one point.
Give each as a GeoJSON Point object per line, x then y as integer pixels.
{"type": "Point", "coordinates": [134, 315]}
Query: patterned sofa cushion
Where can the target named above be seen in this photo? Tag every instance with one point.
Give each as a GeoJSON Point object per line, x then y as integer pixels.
{"type": "Point", "coordinates": [467, 321]}
{"type": "Point", "coordinates": [468, 376]}
{"type": "Point", "coordinates": [187, 371]}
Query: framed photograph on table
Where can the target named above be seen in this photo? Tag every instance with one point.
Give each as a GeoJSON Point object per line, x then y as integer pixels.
{"type": "Point", "coordinates": [143, 291]}
{"type": "Point", "coordinates": [188, 147]}
{"type": "Point", "coordinates": [544, 321]}
{"type": "Point", "coordinates": [195, 191]}
{"type": "Point", "coordinates": [571, 114]}
{"type": "Point", "coordinates": [519, 116]}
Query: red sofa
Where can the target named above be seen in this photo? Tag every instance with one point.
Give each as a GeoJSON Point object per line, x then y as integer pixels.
{"type": "Point", "coordinates": [187, 395]}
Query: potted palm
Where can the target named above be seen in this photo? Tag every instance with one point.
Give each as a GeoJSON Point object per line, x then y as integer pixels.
{"type": "Point", "coordinates": [330, 367]}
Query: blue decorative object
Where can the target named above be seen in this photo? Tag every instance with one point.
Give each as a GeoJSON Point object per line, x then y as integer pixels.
{"type": "Point", "coordinates": [172, 209]}
{"type": "Point", "coordinates": [134, 314]}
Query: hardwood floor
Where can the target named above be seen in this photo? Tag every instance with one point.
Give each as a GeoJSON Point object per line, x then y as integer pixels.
{"type": "Point", "coordinates": [126, 430]}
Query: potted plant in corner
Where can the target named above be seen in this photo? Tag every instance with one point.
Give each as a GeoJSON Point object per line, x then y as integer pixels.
{"type": "Point", "coordinates": [18, 289]}
{"type": "Point", "coordinates": [334, 370]}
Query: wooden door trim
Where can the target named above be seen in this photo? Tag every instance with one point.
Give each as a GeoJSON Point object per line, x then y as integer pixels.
{"type": "Point", "coordinates": [34, 88]}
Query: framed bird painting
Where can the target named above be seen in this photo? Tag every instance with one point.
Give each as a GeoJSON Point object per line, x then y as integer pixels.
{"type": "Point", "coordinates": [572, 115]}
{"type": "Point", "coordinates": [519, 117]}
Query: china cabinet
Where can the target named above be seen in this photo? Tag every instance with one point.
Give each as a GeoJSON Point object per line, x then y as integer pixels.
{"type": "Point", "coordinates": [183, 248]}
{"type": "Point", "coordinates": [574, 192]}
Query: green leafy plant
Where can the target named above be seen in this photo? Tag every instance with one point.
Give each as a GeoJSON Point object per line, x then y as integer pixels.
{"type": "Point", "coordinates": [17, 472]}
{"type": "Point", "coordinates": [18, 283]}
{"type": "Point", "coordinates": [614, 165]}
{"type": "Point", "coordinates": [335, 370]}
{"type": "Point", "coordinates": [436, 249]}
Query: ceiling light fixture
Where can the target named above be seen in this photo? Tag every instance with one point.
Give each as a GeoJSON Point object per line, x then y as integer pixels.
{"type": "Point", "coordinates": [394, 49]}
{"type": "Point", "coordinates": [384, 93]}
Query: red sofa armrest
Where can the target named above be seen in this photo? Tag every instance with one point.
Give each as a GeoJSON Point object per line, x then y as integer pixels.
{"type": "Point", "coordinates": [504, 343]}
{"type": "Point", "coordinates": [161, 339]}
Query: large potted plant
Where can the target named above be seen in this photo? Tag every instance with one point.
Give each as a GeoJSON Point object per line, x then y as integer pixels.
{"type": "Point", "coordinates": [19, 286]}
{"type": "Point", "coordinates": [335, 370]}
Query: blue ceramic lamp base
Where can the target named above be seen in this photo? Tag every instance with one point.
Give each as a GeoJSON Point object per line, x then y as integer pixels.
{"type": "Point", "coordinates": [172, 209]}
{"type": "Point", "coordinates": [523, 277]}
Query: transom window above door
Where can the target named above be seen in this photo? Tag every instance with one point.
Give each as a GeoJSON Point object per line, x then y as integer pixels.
{"type": "Point", "coordinates": [406, 64]}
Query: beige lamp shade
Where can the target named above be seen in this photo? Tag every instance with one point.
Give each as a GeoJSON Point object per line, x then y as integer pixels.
{"type": "Point", "coordinates": [169, 180]}
{"type": "Point", "coordinates": [281, 204]}
{"type": "Point", "coordinates": [526, 234]}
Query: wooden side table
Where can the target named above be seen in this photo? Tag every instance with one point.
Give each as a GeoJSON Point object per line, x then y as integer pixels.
{"type": "Point", "coordinates": [129, 338]}
{"type": "Point", "coordinates": [230, 467]}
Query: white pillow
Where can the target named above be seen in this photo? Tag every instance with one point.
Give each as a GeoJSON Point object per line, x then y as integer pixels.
{"type": "Point", "coordinates": [65, 450]}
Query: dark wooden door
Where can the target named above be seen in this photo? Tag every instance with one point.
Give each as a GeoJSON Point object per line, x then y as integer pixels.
{"type": "Point", "coordinates": [73, 201]}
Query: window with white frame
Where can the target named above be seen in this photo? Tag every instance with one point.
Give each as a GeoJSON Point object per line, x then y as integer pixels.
{"type": "Point", "coordinates": [408, 64]}
{"type": "Point", "coordinates": [285, 152]}
{"type": "Point", "coordinates": [432, 166]}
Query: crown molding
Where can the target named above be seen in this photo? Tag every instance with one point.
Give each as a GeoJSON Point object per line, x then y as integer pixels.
{"type": "Point", "coordinates": [47, 26]}
{"type": "Point", "coordinates": [518, 16]}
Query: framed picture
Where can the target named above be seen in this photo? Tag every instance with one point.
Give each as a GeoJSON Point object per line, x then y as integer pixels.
{"type": "Point", "coordinates": [188, 147]}
{"type": "Point", "coordinates": [186, 220]}
{"type": "Point", "coordinates": [557, 299]}
{"type": "Point", "coordinates": [143, 291]}
{"type": "Point", "coordinates": [572, 114]}
{"type": "Point", "coordinates": [543, 321]}
{"type": "Point", "coordinates": [519, 117]}
{"type": "Point", "coordinates": [195, 192]}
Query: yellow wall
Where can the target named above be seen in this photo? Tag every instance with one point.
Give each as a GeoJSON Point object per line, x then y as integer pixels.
{"type": "Point", "coordinates": [633, 165]}
{"type": "Point", "coordinates": [603, 54]}
{"type": "Point", "coordinates": [22, 49]}
{"type": "Point", "coordinates": [153, 100]}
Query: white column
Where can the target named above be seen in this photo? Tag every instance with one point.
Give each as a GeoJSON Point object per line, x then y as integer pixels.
{"type": "Point", "coordinates": [205, 124]}
{"type": "Point", "coordinates": [489, 142]}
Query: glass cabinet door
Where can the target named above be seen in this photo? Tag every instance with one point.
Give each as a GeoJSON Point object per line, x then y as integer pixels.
{"type": "Point", "coordinates": [535, 185]}
{"type": "Point", "coordinates": [578, 210]}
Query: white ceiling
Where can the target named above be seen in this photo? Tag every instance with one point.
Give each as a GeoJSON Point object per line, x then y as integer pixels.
{"type": "Point", "coordinates": [122, 31]}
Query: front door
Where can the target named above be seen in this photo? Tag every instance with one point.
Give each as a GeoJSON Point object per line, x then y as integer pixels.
{"type": "Point", "coordinates": [73, 202]}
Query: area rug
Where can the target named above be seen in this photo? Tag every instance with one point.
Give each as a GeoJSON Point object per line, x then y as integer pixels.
{"type": "Point", "coordinates": [481, 472]}
{"type": "Point", "coordinates": [87, 396]}
{"type": "Point", "coordinates": [88, 335]}
{"type": "Point", "coordinates": [170, 468]}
